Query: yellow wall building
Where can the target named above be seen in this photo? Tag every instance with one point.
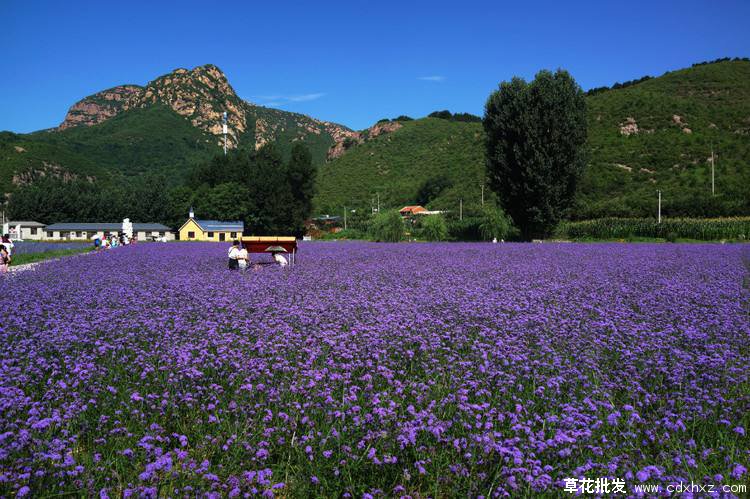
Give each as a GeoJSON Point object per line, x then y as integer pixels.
{"type": "Point", "coordinates": [210, 230]}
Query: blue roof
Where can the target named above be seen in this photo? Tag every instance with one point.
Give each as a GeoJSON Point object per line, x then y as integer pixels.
{"type": "Point", "coordinates": [217, 226]}
{"type": "Point", "coordinates": [105, 226]}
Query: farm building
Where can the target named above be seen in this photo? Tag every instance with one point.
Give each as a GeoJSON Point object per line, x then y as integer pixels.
{"type": "Point", "coordinates": [210, 230]}
{"type": "Point", "coordinates": [24, 230]}
{"type": "Point", "coordinates": [87, 230]}
{"type": "Point", "coordinates": [408, 211]}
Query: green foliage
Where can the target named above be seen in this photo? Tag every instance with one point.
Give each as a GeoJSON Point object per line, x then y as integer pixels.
{"type": "Point", "coordinates": [25, 258]}
{"type": "Point", "coordinates": [301, 175]}
{"type": "Point", "coordinates": [432, 188]}
{"type": "Point", "coordinates": [51, 200]}
{"type": "Point", "coordinates": [271, 196]}
{"type": "Point", "coordinates": [494, 224]}
{"type": "Point", "coordinates": [683, 228]}
{"type": "Point", "coordinates": [434, 228]}
{"type": "Point", "coordinates": [228, 201]}
{"type": "Point", "coordinates": [466, 229]}
{"type": "Point", "coordinates": [397, 164]}
{"type": "Point", "coordinates": [535, 155]}
{"type": "Point", "coordinates": [387, 226]}
{"type": "Point", "coordinates": [447, 115]}
{"type": "Point", "coordinates": [713, 99]}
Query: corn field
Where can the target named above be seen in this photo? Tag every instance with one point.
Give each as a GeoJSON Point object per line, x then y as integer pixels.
{"type": "Point", "coordinates": [706, 229]}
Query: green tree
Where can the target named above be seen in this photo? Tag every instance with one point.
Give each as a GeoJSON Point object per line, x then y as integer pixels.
{"type": "Point", "coordinates": [227, 201]}
{"type": "Point", "coordinates": [431, 189]}
{"type": "Point", "coordinates": [494, 224]}
{"type": "Point", "coordinates": [535, 136]}
{"type": "Point", "coordinates": [269, 188]}
{"type": "Point", "coordinates": [434, 228]}
{"type": "Point", "coordinates": [388, 227]}
{"type": "Point", "coordinates": [301, 175]}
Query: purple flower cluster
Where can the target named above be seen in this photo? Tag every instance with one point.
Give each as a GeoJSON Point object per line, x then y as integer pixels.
{"type": "Point", "coordinates": [376, 370]}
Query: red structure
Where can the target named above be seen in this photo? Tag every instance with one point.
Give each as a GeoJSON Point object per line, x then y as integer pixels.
{"type": "Point", "coordinates": [271, 244]}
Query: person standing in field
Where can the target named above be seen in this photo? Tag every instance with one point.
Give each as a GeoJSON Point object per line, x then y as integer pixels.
{"type": "Point", "coordinates": [8, 243]}
{"type": "Point", "coordinates": [234, 255]}
{"type": "Point", "coordinates": [4, 259]}
{"type": "Point", "coordinates": [243, 260]}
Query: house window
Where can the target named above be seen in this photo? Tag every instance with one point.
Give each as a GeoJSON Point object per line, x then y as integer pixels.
{"type": "Point", "coordinates": [210, 234]}
{"type": "Point", "coordinates": [49, 234]}
{"type": "Point", "coordinates": [191, 235]}
{"type": "Point", "coordinates": [34, 231]}
{"type": "Point", "coordinates": [222, 236]}
{"type": "Point", "coordinates": [161, 234]}
{"type": "Point", "coordinates": [234, 235]}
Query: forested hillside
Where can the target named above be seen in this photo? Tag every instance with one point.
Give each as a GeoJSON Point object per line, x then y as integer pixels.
{"type": "Point", "coordinates": [655, 134]}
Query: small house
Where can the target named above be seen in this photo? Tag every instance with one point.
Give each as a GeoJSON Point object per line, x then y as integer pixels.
{"type": "Point", "coordinates": [24, 230]}
{"type": "Point", "coordinates": [210, 230]}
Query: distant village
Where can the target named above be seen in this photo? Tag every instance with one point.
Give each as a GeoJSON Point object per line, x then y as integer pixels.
{"type": "Point", "coordinates": [194, 229]}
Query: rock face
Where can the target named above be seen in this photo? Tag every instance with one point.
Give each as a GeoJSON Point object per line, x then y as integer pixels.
{"type": "Point", "coordinates": [629, 127]}
{"type": "Point", "coordinates": [102, 106]}
{"type": "Point", "coordinates": [201, 95]}
{"type": "Point", "coordinates": [350, 138]}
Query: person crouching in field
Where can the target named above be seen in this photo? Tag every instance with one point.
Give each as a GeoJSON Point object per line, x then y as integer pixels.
{"type": "Point", "coordinates": [4, 259]}
{"type": "Point", "coordinates": [234, 256]}
{"type": "Point", "coordinates": [279, 258]}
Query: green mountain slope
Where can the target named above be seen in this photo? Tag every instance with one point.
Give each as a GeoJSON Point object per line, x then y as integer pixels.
{"type": "Point", "coordinates": [657, 134]}
{"type": "Point", "coordinates": [680, 117]}
{"type": "Point", "coordinates": [394, 165]}
{"type": "Point", "coordinates": [165, 126]}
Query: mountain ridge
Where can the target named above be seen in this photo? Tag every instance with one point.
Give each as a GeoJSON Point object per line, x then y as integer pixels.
{"type": "Point", "coordinates": [174, 118]}
{"type": "Point", "coordinates": [646, 135]}
{"type": "Point", "coordinates": [201, 94]}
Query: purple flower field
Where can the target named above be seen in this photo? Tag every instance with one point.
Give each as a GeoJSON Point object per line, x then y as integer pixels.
{"type": "Point", "coordinates": [374, 369]}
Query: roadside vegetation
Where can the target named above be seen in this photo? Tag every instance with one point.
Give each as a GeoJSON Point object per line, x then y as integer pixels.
{"type": "Point", "coordinates": [26, 258]}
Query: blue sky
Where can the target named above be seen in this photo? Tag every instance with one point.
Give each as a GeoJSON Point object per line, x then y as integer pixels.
{"type": "Point", "coordinates": [351, 62]}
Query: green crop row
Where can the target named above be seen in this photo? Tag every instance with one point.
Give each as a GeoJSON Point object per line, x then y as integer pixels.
{"type": "Point", "coordinates": [705, 229]}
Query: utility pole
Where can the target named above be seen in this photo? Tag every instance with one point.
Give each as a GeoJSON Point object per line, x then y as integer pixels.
{"type": "Point", "coordinates": [461, 209]}
{"type": "Point", "coordinates": [344, 217]}
{"type": "Point", "coordinates": [482, 194]}
{"type": "Point", "coordinates": [224, 120]}
{"type": "Point", "coordinates": [659, 209]}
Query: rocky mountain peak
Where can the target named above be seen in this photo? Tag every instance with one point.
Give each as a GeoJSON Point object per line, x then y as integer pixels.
{"type": "Point", "coordinates": [201, 95]}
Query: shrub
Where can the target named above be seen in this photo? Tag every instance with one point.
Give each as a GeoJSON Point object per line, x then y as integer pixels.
{"type": "Point", "coordinates": [388, 227]}
{"type": "Point", "coordinates": [434, 228]}
{"type": "Point", "coordinates": [494, 224]}
{"type": "Point", "coordinates": [466, 229]}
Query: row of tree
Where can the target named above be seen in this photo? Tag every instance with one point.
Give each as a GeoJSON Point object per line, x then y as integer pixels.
{"type": "Point", "coordinates": [270, 195]}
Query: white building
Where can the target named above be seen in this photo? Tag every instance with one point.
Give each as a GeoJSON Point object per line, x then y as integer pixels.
{"type": "Point", "coordinates": [78, 231]}
{"type": "Point", "coordinates": [20, 230]}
